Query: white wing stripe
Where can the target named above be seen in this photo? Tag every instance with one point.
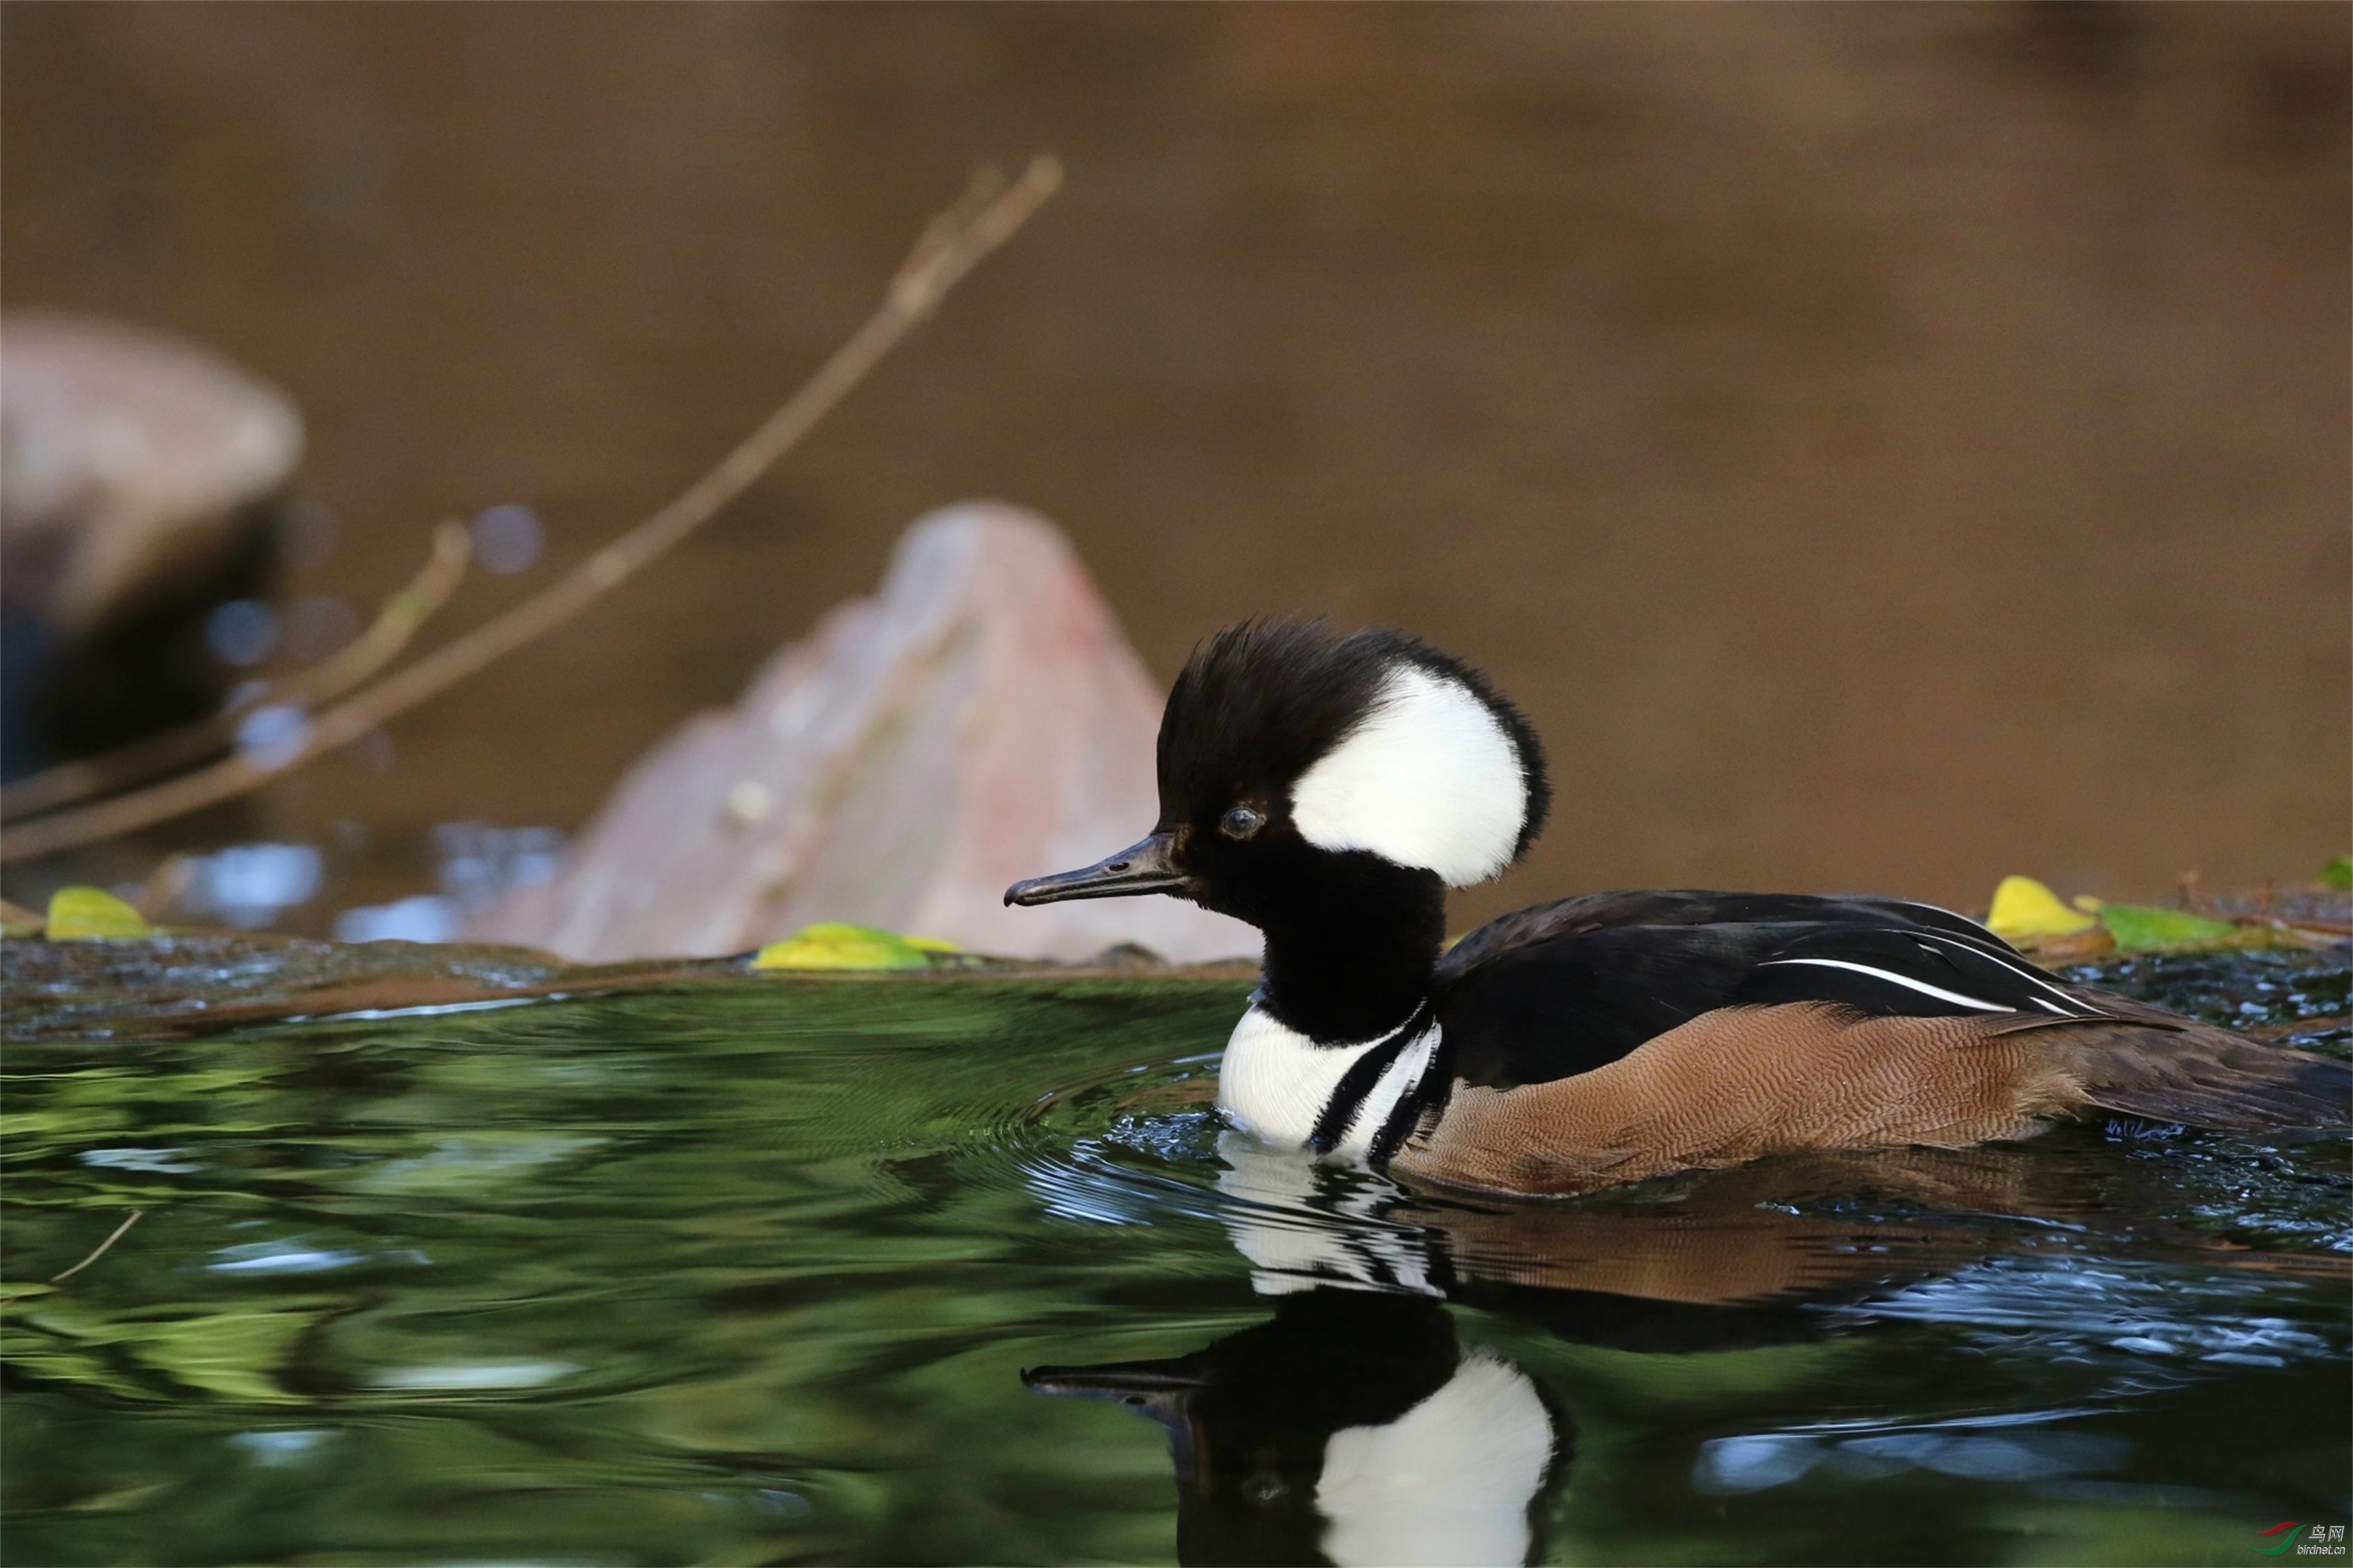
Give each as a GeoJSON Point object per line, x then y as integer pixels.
{"type": "Point", "coordinates": [1888, 974]}
{"type": "Point", "coordinates": [2017, 966]}
{"type": "Point", "coordinates": [1940, 909]}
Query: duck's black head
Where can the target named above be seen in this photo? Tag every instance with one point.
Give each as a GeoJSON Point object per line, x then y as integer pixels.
{"type": "Point", "coordinates": [1327, 789]}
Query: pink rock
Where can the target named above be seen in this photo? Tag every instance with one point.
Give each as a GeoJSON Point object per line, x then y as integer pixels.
{"type": "Point", "coordinates": [980, 721]}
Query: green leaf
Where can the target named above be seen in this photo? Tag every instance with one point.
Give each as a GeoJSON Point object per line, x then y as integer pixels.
{"type": "Point", "coordinates": [93, 914]}
{"type": "Point", "coordinates": [2338, 873]}
{"type": "Point", "coordinates": [832, 945]}
{"type": "Point", "coordinates": [2143, 928]}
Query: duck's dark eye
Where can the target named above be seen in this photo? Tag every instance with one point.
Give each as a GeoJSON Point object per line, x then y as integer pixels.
{"type": "Point", "coordinates": [1243, 822]}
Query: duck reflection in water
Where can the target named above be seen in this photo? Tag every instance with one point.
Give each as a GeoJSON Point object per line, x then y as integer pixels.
{"type": "Point", "coordinates": [1356, 1425]}
{"type": "Point", "coordinates": [1352, 1426]}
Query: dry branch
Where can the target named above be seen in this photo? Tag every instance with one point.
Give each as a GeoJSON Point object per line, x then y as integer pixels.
{"type": "Point", "coordinates": [951, 244]}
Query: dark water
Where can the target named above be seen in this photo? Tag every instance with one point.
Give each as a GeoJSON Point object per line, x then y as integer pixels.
{"type": "Point", "coordinates": [756, 1275]}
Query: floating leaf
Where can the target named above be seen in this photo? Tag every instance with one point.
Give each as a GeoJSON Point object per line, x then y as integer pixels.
{"type": "Point", "coordinates": [832, 945]}
{"type": "Point", "coordinates": [2141, 928]}
{"type": "Point", "coordinates": [2024, 909]}
{"type": "Point", "coordinates": [93, 914]}
{"type": "Point", "coordinates": [2338, 873]}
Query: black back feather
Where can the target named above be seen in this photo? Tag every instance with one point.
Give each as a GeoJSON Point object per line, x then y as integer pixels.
{"type": "Point", "coordinates": [1567, 987]}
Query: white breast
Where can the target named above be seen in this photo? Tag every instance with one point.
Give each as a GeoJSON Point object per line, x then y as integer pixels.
{"type": "Point", "coordinates": [1275, 1082]}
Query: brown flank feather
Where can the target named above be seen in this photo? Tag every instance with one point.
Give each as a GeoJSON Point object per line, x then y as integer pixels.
{"type": "Point", "coordinates": [1739, 1083]}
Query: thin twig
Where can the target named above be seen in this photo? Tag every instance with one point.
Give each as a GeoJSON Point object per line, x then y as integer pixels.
{"type": "Point", "coordinates": [308, 688]}
{"type": "Point", "coordinates": [109, 1241]}
{"type": "Point", "coordinates": [950, 247]}
{"type": "Point", "coordinates": [163, 886]}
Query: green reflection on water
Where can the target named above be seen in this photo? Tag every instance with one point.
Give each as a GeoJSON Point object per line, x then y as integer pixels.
{"type": "Point", "coordinates": [752, 1273]}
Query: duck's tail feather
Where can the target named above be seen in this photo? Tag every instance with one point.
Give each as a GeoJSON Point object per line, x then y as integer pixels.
{"type": "Point", "coordinates": [2148, 1063]}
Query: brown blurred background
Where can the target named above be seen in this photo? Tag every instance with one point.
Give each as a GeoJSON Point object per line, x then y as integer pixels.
{"type": "Point", "coordinates": [1881, 445]}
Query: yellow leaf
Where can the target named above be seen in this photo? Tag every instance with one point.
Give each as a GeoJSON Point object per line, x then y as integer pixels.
{"type": "Point", "coordinates": [932, 944]}
{"type": "Point", "coordinates": [832, 945]}
{"type": "Point", "coordinates": [2023, 907]}
{"type": "Point", "coordinates": [92, 914]}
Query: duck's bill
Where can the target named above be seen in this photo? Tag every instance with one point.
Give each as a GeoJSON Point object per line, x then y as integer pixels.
{"type": "Point", "coordinates": [1145, 867]}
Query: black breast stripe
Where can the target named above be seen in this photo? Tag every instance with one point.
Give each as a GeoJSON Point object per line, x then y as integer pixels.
{"type": "Point", "coordinates": [1348, 1094]}
{"type": "Point", "coordinates": [1431, 1093]}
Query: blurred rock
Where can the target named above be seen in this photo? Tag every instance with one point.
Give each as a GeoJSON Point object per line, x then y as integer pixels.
{"type": "Point", "coordinates": [134, 470]}
{"type": "Point", "coordinates": [980, 721]}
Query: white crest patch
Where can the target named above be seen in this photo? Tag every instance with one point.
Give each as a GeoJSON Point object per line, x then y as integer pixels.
{"type": "Point", "coordinates": [1449, 1481]}
{"type": "Point", "coordinates": [1431, 778]}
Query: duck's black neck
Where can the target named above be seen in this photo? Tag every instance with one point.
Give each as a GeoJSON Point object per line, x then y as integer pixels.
{"type": "Point", "coordinates": [1353, 962]}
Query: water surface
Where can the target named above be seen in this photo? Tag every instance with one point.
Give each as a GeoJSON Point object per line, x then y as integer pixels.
{"type": "Point", "coordinates": [755, 1273]}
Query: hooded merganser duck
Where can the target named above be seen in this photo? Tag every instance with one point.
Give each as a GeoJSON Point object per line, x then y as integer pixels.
{"type": "Point", "coordinates": [1329, 789]}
